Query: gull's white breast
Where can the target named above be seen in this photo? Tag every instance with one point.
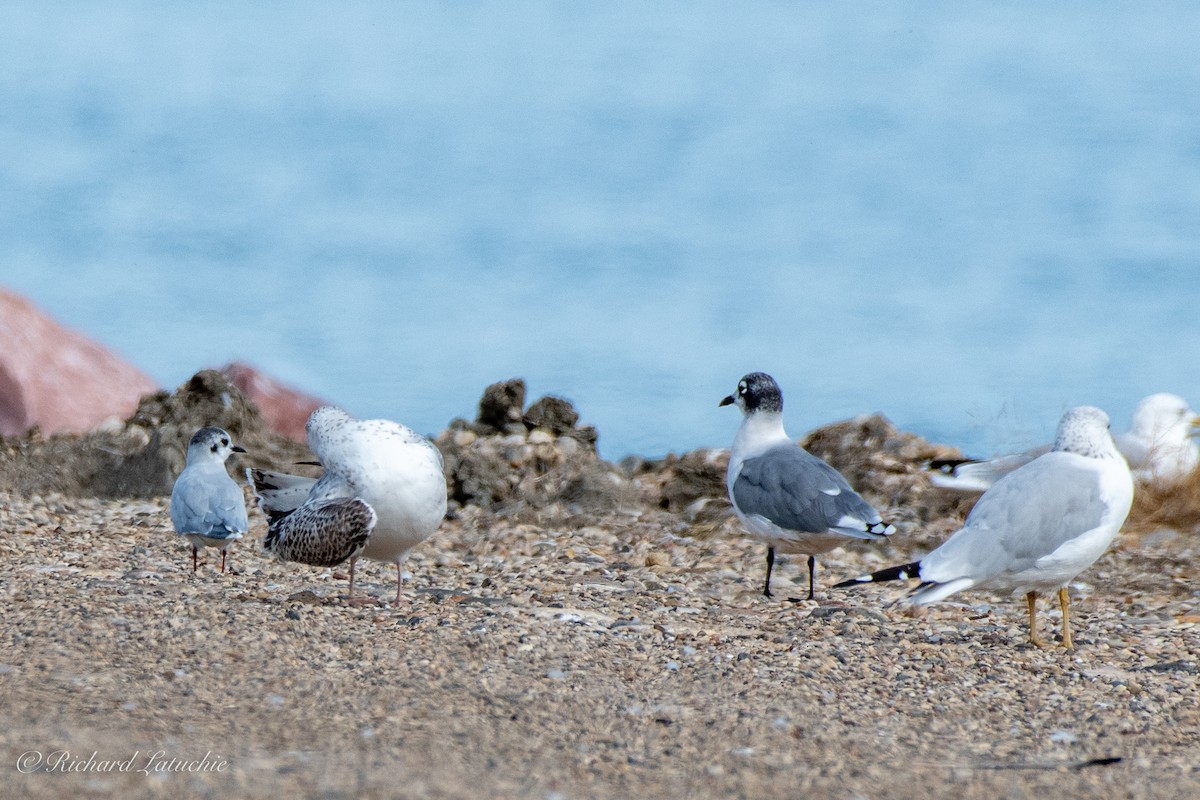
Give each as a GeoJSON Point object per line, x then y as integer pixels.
{"type": "Point", "coordinates": [398, 473]}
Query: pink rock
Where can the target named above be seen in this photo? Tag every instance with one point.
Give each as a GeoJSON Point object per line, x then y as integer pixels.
{"type": "Point", "coordinates": [284, 409]}
{"type": "Point", "coordinates": [57, 379]}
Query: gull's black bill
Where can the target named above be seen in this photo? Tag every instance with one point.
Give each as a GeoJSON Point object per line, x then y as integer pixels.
{"type": "Point", "coordinates": [728, 401]}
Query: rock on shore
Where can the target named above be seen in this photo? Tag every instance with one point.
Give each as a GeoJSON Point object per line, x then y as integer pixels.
{"type": "Point", "coordinates": [284, 409]}
{"type": "Point", "coordinates": [56, 379]}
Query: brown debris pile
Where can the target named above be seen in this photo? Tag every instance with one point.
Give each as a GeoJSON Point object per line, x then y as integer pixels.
{"type": "Point", "coordinates": [143, 456]}
{"type": "Point", "coordinates": [1165, 505]}
{"type": "Point", "coordinates": [512, 459]}
{"type": "Point", "coordinates": [887, 466]}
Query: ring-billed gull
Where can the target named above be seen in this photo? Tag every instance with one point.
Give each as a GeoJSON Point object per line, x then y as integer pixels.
{"type": "Point", "coordinates": [381, 494]}
{"type": "Point", "coordinates": [207, 506]}
{"type": "Point", "coordinates": [1159, 446]}
{"type": "Point", "coordinates": [783, 494]}
{"type": "Point", "coordinates": [1037, 528]}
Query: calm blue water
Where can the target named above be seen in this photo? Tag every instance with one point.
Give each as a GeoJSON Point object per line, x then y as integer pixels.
{"type": "Point", "coordinates": [966, 217]}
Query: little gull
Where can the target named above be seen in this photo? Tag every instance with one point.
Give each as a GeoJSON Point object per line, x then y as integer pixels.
{"type": "Point", "coordinates": [207, 506]}
{"type": "Point", "coordinates": [1036, 528]}
{"type": "Point", "coordinates": [381, 494]}
{"type": "Point", "coordinates": [783, 494]}
{"type": "Point", "coordinates": [1159, 447]}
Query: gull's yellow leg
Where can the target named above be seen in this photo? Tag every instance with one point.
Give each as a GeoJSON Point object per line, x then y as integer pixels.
{"type": "Point", "coordinates": [1064, 602]}
{"type": "Point", "coordinates": [1031, 600]}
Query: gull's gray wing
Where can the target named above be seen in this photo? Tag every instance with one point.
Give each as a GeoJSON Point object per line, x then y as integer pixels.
{"type": "Point", "coordinates": [799, 492]}
{"type": "Point", "coordinates": [1026, 516]}
{"type": "Point", "coordinates": [208, 502]}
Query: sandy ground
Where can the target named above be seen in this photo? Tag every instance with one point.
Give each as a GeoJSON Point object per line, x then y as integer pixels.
{"type": "Point", "coordinates": [620, 659]}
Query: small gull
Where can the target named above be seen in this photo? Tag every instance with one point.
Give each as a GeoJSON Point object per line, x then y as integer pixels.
{"type": "Point", "coordinates": [1036, 528]}
{"type": "Point", "coordinates": [382, 493]}
{"type": "Point", "coordinates": [1159, 447]}
{"type": "Point", "coordinates": [783, 494]}
{"type": "Point", "coordinates": [207, 506]}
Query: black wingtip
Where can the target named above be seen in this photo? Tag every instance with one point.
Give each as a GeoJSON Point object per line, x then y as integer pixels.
{"type": "Point", "coordinates": [949, 465]}
{"type": "Point", "coordinates": [881, 529]}
{"type": "Point", "coordinates": [900, 573]}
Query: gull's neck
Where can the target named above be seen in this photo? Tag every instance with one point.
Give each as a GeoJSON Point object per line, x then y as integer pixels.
{"type": "Point", "coordinates": [761, 430]}
{"type": "Point", "coordinates": [1097, 444]}
{"type": "Point", "coordinates": [205, 459]}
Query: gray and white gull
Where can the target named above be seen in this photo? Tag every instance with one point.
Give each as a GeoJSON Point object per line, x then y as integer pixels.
{"type": "Point", "coordinates": [1036, 528]}
{"type": "Point", "coordinates": [784, 495]}
{"type": "Point", "coordinates": [207, 506]}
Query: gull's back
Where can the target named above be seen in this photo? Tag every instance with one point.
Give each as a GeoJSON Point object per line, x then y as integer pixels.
{"type": "Point", "coordinates": [206, 500]}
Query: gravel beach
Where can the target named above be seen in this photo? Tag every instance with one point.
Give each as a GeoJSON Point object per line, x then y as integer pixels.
{"type": "Point", "coordinates": [575, 629]}
{"type": "Point", "coordinates": [607, 656]}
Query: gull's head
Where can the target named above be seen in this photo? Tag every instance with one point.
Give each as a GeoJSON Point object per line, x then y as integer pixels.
{"type": "Point", "coordinates": [324, 419]}
{"type": "Point", "coordinates": [1164, 416]}
{"type": "Point", "coordinates": [1084, 430]}
{"type": "Point", "coordinates": [212, 443]}
{"type": "Point", "coordinates": [756, 392]}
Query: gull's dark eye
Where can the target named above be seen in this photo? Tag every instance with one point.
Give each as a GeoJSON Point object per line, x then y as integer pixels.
{"type": "Point", "coordinates": [214, 448]}
{"type": "Point", "coordinates": [225, 442]}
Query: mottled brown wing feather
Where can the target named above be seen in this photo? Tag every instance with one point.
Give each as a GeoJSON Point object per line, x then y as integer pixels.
{"type": "Point", "coordinates": [322, 534]}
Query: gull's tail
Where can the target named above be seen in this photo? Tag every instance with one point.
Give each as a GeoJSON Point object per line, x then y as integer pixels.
{"type": "Point", "coordinates": [278, 493]}
{"type": "Point", "coordinates": [926, 592]}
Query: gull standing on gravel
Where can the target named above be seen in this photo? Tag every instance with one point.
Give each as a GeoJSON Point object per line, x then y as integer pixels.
{"type": "Point", "coordinates": [207, 506]}
{"type": "Point", "coordinates": [1037, 528]}
{"type": "Point", "coordinates": [382, 493]}
{"type": "Point", "coordinates": [783, 494]}
{"type": "Point", "coordinates": [1159, 446]}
